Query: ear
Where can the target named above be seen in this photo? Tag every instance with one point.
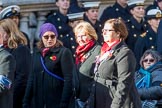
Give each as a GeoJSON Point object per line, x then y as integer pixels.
{"type": "Point", "coordinates": [131, 11]}
{"type": "Point", "coordinates": [57, 4]}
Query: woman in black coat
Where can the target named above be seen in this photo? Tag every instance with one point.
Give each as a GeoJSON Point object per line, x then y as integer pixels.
{"type": "Point", "coordinates": [149, 78]}
{"type": "Point", "coordinates": [50, 82]}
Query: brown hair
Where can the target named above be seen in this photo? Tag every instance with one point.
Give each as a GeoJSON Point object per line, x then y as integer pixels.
{"type": "Point", "coordinates": [41, 45]}
{"type": "Point", "coordinates": [87, 27]}
{"type": "Point", "coordinates": [119, 26]}
{"type": "Point", "coordinates": [15, 37]}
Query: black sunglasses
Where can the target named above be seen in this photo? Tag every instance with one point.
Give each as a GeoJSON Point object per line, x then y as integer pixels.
{"type": "Point", "coordinates": [49, 36]}
{"type": "Point", "coordinates": [150, 60]}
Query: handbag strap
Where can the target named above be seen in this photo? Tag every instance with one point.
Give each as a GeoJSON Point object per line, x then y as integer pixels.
{"type": "Point", "coordinates": [50, 73]}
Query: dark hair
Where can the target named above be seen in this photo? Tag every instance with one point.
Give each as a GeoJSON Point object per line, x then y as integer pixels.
{"type": "Point", "coordinates": [119, 26]}
{"type": "Point", "coordinates": [153, 53]}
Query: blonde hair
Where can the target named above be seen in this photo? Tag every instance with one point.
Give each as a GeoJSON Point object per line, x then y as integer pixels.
{"type": "Point", "coordinates": [87, 27]}
{"type": "Point", "coordinates": [15, 37]}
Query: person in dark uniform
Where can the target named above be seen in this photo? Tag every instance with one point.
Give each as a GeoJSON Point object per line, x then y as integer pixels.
{"type": "Point", "coordinates": [91, 16]}
{"type": "Point", "coordinates": [13, 12]}
{"type": "Point", "coordinates": [135, 24]}
{"type": "Point", "coordinates": [60, 20]}
{"type": "Point", "coordinates": [75, 16]}
{"type": "Point", "coordinates": [157, 4]}
{"type": "Point", "coordinates": [148, 39]}
{"type": "Point", "coordinates": [118, 10]}
{"type": "Point", "coordinates": [159, 38]}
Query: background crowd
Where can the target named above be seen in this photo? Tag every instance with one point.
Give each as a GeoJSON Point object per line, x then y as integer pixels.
{"type": "Point", "coordinates": [115, 59]}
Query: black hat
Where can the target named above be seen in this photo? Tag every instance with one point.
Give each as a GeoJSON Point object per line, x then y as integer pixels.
{"type": "Point", "coordinates": [9, 11]}
{"type": "Point", "coordinates": [153, 14]}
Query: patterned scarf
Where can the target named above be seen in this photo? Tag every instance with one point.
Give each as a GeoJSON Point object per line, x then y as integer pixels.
{"type": "Point", "coordinates": [82, 50]}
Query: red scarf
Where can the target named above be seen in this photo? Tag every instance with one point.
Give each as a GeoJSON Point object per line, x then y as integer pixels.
{"type": "Point", "coordinates": [106, 47]}
{"type": "Point", "coordinates": [82, 50]}
{"type": "Point", "coordinates": [44, 51]}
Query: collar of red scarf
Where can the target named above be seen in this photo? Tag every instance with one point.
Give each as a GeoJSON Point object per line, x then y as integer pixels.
{"type": "Point", "coordinates": [106, 47]}
{"type": "Point", "coordinates": [44, 51]}
{"type": "Point", "coordinates": [82, 50]}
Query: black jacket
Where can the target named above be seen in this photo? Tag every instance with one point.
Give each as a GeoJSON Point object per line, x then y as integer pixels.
{"type": "Point", "coordinates": [46, 90]}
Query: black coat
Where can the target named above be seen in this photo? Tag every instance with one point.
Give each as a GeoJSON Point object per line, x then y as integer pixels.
{"type": "Point", "coordinates": [145, 41]}
{"type": "Point", "coordinates": [115, 11]}
{"type": "Point", "coordinates": [61, 23]}
{"type": "Point", "coordinates": [46, 90]}
{"type": "Point", "coordinates": [135, 29]}
{"type": "Point", "coordinates": [159, 38]}
{"type": "Point", "coordinates": [23, 67]}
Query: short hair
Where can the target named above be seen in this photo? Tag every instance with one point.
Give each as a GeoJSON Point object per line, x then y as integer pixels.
{"type": "Point", "coordinates": [119, 26]}
{"type": "Point", "coordinates": [156, 55]}
{"type": "Point", "coordinates": [87, 27]}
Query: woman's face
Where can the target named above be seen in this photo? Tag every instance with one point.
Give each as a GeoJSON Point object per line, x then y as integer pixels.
{"type": "Point", "coordinates": [49, 39]}
{"type": "Point", "coordinates": [92, 14]}
{"type": "Point", "coordinates": [82, 38]}
{"type": "Point", "coordinates": [138, 12]}
{"type": "Point", "coordinates": [148, 61]}
{"type": "Point", "coordinates": [63, 4]}
{"type": "Point", "coordinates": [4, 35]}
{"type": "Point", "coordinates": [154, 23]}
{"type": "Point", "coordinates": [109, 33]}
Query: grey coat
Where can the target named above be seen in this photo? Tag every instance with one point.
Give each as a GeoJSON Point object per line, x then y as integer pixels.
{"type": "Point", "coordinates": [7, 68]}
{"type": "Point", "coordinates": [115, 87]}
{"type": "Point", "coordinates": [86, 72]}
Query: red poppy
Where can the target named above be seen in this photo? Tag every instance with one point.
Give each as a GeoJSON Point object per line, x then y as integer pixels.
{"type": "Point", "coordinates": [53, 58]}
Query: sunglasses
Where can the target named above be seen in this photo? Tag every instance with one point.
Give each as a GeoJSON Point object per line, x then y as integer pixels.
{"type": "Point", "coordinates": [49, 36]}
{"type": "Point", "coordinates": [150, 60]}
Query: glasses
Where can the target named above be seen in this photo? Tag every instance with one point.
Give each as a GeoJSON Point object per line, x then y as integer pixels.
{"type": "Point", "coordinates": [105, 30]}
{"type": "Point", "coordinates": [49, 36]}
{"type": "Point", "coordinates": [148, 60]}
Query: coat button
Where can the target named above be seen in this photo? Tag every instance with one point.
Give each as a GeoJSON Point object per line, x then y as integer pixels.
{"type": "Point", "coordinates": [61, 35]}
{"type": "Point", "coordinates": [135, 35]}
{"type": "Point", "coordinates": [73, 47]}
{"type": "Point", "coordinates": [71, 39]}
{"type": "Point", "coordinates": [58, 19]}
{"type": "Point", "coordinates": [152, 47]}
{"type": "Point", "coordinates": [150, 38]}
{"type": "Point", "coordinates": [133, 26]}
{"type": "Point", "coordinates": [60, 27]}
